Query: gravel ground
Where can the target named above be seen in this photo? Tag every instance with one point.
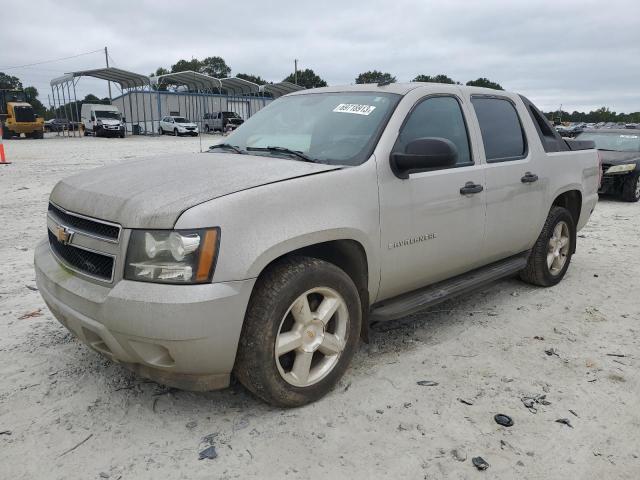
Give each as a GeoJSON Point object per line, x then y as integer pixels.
{"type": "Point", "coordinates": [487, 349]}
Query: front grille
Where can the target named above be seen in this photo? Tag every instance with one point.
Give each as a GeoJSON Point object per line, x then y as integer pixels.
{"type": "Point", "coordinates": [91, 227]}
{"type": "Point", "coordinates": [24, 114]}
{"type": "Point", "coordinates": [91, 263]}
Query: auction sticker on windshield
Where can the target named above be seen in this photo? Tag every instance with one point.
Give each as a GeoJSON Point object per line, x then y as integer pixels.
{"type": "Point", "coordinates": [354, 108]}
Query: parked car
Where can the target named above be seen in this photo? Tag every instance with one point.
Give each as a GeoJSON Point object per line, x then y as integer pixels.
{"type": "Point", "coordinates": [221, 121]}
{"type": "Point", "coordinates": [331, 208]}
{"type": "Point", "coordinates": [177, 126]}
{"type": "Point", "coordinates": [56, 125]}
{"type": "Point", "coordinates": [619, 151]}
{"type": "Point", "coordinates": [570, 130]}
{"type": "Point", "coordinates": [102, 120]}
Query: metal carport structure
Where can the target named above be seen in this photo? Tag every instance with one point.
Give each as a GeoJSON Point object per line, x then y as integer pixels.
{"type": "Point", "coordinates": [239, 86]}
{"type": "Point", "coordinates": [129, 81]}
{"type": "Point", "coordinates": [279, 89]}
{"type": "Point", "coordinates": [237, 90]}
{"type": "Point", "coordinates": [194, 82]}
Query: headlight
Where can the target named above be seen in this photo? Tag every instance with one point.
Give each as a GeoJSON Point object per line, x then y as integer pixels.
{"type": "Point", "coordinates": [627, 167]}
{"type": "Point", "coordinates": [172, 256]}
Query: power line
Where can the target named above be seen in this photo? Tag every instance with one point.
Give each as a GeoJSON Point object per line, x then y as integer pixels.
{"type": "Point", "coordinates": [50, 61]}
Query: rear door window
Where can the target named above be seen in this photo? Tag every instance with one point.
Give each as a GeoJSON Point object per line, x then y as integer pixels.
{"type": "Point", "coordinates": [502, 133]}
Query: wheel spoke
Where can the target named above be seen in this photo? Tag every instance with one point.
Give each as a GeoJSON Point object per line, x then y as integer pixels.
{"type": "Point", "coordinates": [302, 366]}
{"type": "Point", "coordinates": [288, 341]}
{"type": "Point", "coordinates": [550, 258]}
{"type": "Point", "coordinates": [326, 309]}
{"type": "Point", "coordinates": [301, 311]}
{"type": "Point", "coordinates": [563, 241]}
{"type": "Point", "coordinates": [557, 231]}
{"type": "Point", "coordinates": [331, 344]}
{"type": "Point", "coordinates": [558, 262]}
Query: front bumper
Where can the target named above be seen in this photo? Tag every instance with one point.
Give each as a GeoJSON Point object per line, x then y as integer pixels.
{"type": "Point", "coordinates": [184, 336]}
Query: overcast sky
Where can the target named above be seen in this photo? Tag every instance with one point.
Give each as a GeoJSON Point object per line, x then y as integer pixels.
{"type": "Point", "coordinates": [583, 54]}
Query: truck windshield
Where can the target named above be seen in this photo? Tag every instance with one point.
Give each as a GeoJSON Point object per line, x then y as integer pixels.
{"type": "Point", "coordinates": [336, 128]}
{"type": "Point", "coordinates": [616, 141]}
{"type": "Point", "coordinates": [108, 114]}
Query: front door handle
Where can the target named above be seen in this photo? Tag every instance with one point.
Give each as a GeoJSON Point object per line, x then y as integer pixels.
{"type": "Point", "coordinates": [529, 178]}
{"type": "Point", "coordinates": [471, 188]}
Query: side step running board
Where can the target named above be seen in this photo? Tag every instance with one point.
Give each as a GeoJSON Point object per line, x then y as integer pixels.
{"type": "Point", "coordinates": [417, 300]}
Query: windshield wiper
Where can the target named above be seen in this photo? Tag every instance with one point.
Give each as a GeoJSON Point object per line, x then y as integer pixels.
{"type": "Point", "coordinates": [286, 150]}
{"type": "Point", "coordinates": [227, 146]}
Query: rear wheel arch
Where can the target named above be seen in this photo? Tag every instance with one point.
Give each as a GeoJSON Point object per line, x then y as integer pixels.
{"type": "Point", "coordinates": [572, 201]}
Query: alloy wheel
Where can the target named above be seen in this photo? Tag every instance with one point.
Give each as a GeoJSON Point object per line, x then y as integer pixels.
{"type": "Point", "coordinates": [311, 336]}
{"type": "Point", "coordinates": [558, 250]}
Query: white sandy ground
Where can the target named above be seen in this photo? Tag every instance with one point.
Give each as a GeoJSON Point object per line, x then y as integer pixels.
{"type": "Point", "coordinates": [377, 423]}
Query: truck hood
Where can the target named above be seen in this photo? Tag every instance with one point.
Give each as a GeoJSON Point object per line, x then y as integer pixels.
{"type": "Point", "coordinates": [154, 192]}
{"type": "Point", "coordinates": [616, 158]}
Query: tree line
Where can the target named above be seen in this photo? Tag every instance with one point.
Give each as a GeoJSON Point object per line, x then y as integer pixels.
{"type": "Point", "coordinates": [217, 67]}
{"type": "Point", "coordinates": [602, 114]}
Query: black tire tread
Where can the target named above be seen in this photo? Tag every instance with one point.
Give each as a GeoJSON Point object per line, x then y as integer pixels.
{"type": "Point", "coordinates": [535, 272]}
{"type": "Point", "coordinates": [249, 368]}
{"type": "Point", "coordinates": [629, 188]}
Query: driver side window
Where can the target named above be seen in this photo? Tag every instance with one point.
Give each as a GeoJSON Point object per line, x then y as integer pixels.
{"type": "Point", "coordinates": [439, 117]}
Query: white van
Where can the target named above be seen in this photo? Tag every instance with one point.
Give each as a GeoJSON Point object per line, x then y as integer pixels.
{"type": "Point", "coordinates": [102, 120]}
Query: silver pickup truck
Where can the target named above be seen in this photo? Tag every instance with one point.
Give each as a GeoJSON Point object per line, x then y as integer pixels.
{"type": "Point", "coordinates": [269, 256]}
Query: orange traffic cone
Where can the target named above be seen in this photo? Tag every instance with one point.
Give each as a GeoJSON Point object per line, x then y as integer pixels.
{"type": "Point", "coordinates": [3, 158]}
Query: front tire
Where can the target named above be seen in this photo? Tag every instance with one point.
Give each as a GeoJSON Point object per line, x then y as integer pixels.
{"type": "Point", "coordinates": [552, 252]}
{"type": "Point", "coordinates": [631, 188]}
{"type": "Point", "coordinates": [300, 332]}
{"type": "Point", "coordinates": [175, 132]}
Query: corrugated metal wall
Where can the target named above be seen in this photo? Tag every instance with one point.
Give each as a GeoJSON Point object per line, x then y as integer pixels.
{"type": "Point", "coordinates": [146, 109]}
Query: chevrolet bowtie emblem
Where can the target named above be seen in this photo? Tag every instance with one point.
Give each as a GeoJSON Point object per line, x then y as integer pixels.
{"type": "Point", "coordinates": [64, 235]}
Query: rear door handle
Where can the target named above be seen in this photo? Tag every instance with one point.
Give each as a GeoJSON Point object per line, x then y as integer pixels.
{"type": "Point", "coordinates": [529, 178]}
{"type": "Point", "coordinates": [471, 188]}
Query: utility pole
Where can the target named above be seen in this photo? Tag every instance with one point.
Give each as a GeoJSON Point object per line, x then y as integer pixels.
{"type": "Point", "coordinates": [106, 57]}
{"type": "Point", "coordinates": [295, 71]}
{"type": "Point", "coordinates": [560, 120]}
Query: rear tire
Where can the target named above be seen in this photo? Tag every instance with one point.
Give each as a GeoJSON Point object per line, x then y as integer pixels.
{"type": "Point", "coordinates": [552, 252]}
{"type": "Point", "coordinates": [316, 342]}
{"type": "Point", "coordinates": [631, 188]}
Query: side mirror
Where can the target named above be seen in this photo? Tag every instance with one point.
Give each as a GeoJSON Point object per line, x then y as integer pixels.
{"type": "Point", "coordinates": [424, 154]}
